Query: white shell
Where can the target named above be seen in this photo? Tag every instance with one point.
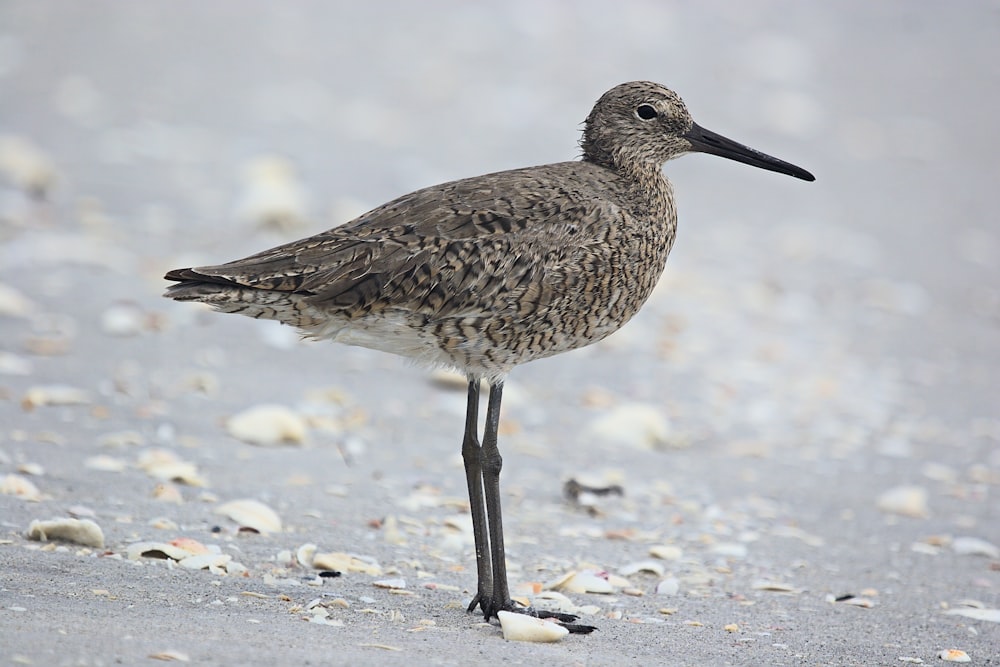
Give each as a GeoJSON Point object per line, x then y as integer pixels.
{"type": "Point", "coordinates": [906, 500]}
{"type": "Point", "coordinates": [22, 487]}
{"type": "Point", "coordinates": [523, 628]}
{"type": "Point", "coordinates": [55, 394]}
{"type": "Point", "coordinates": [203, 561]}
{"type": "Point", "coordinates": [78, 531]}
{"type": "Point", "coordinates": [647, 566]}
{"type": "Point", "coordinates": [973, 546]}
{"type": "Point", "coordinates": [304, 554]}
{"type": "Point", "coordinates": [251, 514]}
{"type": "Point", "coordinates": [666, 552]}
{"type": "Point", "coordinates": [344, 562]}
{"type": "Point", "coordinates": [137, 550]}
{"type": "Point", "coordinates": [954, 655]}
{"type": "Point", "coordinates": [581, 582]}
{"type": "Point", "coordinates": [268, 425]}
{"type": "Point", "coordinates": [990, 615]}
{"type": "Point", "coordinates": [669, 586]}
{"type": "Point", "coordinates": [636, 425]}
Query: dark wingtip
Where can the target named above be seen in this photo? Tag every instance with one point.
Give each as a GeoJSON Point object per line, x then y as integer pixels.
{"type": "Point", "coordinates": [179, 275]}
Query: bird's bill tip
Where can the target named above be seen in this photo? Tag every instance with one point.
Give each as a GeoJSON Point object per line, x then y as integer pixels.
{"type": "Point", "coordinates": [706, 141]}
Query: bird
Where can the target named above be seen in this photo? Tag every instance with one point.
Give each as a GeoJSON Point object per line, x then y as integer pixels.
{"type": "Point", "coordinates": [486, 273]}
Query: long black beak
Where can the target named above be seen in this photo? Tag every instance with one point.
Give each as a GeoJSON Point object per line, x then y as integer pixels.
{"type": "Point", "coordinates": [706, 141]}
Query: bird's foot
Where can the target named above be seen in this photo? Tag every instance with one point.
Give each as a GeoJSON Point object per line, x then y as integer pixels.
{"type": "Point", "coordinates": [491, 608]}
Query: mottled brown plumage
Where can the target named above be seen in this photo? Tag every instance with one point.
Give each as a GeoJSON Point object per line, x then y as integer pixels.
{"type": "Point", "coordinates": [489, 272]}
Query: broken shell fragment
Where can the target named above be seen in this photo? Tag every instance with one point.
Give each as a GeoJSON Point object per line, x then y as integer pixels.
{"type": "Point", "coordinates": [56, 394]}
{"type": "Point", "coordinates": [522, 628]}
{"type": "Point", "coordinates": [344, 562]}
{"type": "Point", "coordinates": [161, 550]}
{"type": "Point", "coordinates": [666, 552]}
{"type": "Point", "coordinates": [644, 566]}
{"type": "Point", "coordinates": [252, 514]}
{"type": "Point", "coordinates": [205, 561]}
{"type": "Point", "coordinates": [78, 531]}
{"type": "Point", "coordinates": [166, 466]}
{"type": "Point", "coordinates": [581, 582]}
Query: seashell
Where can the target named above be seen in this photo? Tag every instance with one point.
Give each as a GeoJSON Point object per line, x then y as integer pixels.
{"type": "Point", "coordinates": [304, 554]}
{"type": "Point", "coordinates": [165, 466]}
{"type": "Point", "coordinates": [645, 566]}
{"type": "Point", "coordinates": [22, 487]}
{"type": "Point", "coordinates": [905, 500]}
{"type": "Point", "coordinates": [105, 463]}
{"type": "Point", "coordinates": [161, 550]}
{"type": "Point", "coordinates": [205, 561]}
{"type": "Point", "coordinates": [253, 514]}
{"type": "Point", "coordinates": [168, 493]}
{"type": "Point", "coordinates": [268, 425]}
{"type": "Point", "coordinates": [666, 552]}
{"type": "Point", "coordinates": [78, 531]}
{"type": "Point", "coordinates": [123, 320]}
{"type": "Point", "coordinates": [989, 615]}
{"type": "Point", "coordinates": [973, 546]}
{"type": "Point", "coordinates": [522, 628]}
{"type": "Point", "coordinates": [171, 656]}
{"type": "Point", "coordinates": [773, 586]}
{"type": "Point", "coordinates": [636, 425]}
{"type": "Point", "coordinates": [556, 601]}
{"type": "Point", "coordinates": [669, 586]}
{"type": "Point", "coordinates": [272, 195]}
{"type": "Point", "coordinates": [344, 562]}
{"type": "Point", "coordinates": [55, 394]}
{"type": "Point", "coordinates": [954, 655]}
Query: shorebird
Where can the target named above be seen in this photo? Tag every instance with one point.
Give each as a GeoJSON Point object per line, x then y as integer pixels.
{"type": "Point", "coordinates": [486, 273]}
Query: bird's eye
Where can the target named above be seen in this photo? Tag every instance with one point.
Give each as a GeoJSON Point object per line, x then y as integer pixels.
{"type": "Point", "coordinates": [646, 112]}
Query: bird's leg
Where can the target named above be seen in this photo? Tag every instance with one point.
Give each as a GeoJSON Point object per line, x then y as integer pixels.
{"type": "Point", "coordinates": [472, 455]}
{"type": "Point", "coordinates": [492, 462]}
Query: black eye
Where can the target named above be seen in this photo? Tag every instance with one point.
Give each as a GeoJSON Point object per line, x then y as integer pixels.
{"type": "Point", "coordinates": [646, 112]}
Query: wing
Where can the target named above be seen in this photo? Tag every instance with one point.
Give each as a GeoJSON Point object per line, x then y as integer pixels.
{"type": "Point", "coordinates": [511, 239]}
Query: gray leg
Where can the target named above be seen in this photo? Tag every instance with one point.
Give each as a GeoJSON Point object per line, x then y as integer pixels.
{"type": "Point", "coordinates": [472, 455]}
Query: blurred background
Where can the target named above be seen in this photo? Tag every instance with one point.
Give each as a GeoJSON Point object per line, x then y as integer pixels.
{"type": "Point", "coordinates": [816, 343]}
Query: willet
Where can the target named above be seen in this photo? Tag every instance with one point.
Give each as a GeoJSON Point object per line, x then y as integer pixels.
{"type": "Point", "coordinates": [489, 272]}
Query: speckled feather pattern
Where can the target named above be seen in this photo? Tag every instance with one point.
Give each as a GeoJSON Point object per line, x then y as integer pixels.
{"type": "Point", "coordinates": [488, 272]}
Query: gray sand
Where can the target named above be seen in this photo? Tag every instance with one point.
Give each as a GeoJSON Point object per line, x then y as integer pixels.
{"type": "Point", "coordinates": [811, 347]}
